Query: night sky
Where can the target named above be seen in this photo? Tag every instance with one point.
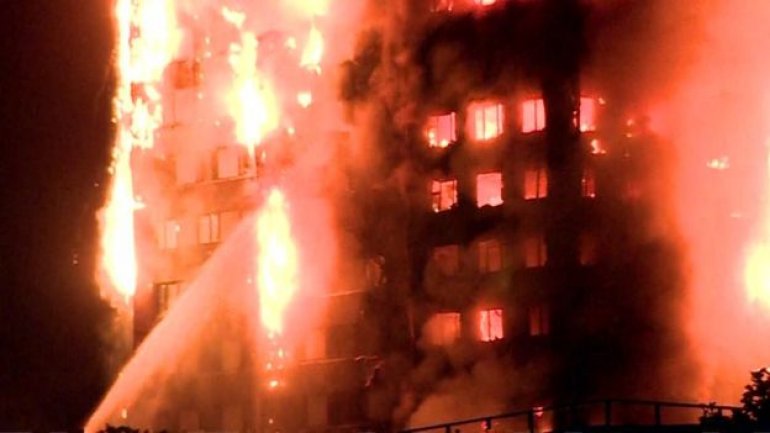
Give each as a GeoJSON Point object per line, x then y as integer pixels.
{"type": "Point", "coordinates": [55, 91]}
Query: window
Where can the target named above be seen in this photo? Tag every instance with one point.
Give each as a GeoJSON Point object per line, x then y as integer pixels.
{"type": "Point", "coordinates": [539, 321]}
{"type": "Point", "coordinates": [588, 183]}
{"type": "Point", "coordinates": [232, 161]}
{"type": "Point", "coordinates": [490, 256]}
{"type": "Point", "coordinates": [532, 115]}
{"type": "Point", "coordinates": [441, 130]}
{"type": "Point", "coordinates": [485, 2]}
{"type": "Point", "coordinates": [443, 194]}
{"type": "Point", "coordinates": [166, 294]}
{"type": "Point", "coordinates": [587, 116]}
{"type": "Point", "coordinates": [486, 120]}
{"type": "Point", "coordinates": [588, 249]}
{"type": "Point", "coordinates": [185, 74]}
{"type": "Point", "coordinates": [208, 229]}
{"type": "Point", "coordinates": [170, 239]}
{"type": "Point", "coordinates": [491, 324]}
{"type": "Point", "coordinates": [447, 259]}
{"type": "Point", "coordinates": [535, 251]}
{"type": "Point", "coordinates": [489, 189]}
{"type": "Point", "coordinates": [443, 329]}
{"type": "Point", "coordinates": [535, 183]}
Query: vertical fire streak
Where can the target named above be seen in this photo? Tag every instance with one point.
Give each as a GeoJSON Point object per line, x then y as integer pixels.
{"type": "Point", "coordinates": [118, 255]}
{"type": "Point", "coordinates": [757, 271]}
{"type": "Point", "coordinates": [277, 277]}
{"type": "Point", "coordinates": [147, 40]}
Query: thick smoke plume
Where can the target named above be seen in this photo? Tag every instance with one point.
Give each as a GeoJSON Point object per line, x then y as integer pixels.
{"type": "Point", "coordinates": [689, 82]}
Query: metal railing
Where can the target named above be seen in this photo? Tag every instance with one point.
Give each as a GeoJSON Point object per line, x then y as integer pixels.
{"type": "Point", "coordinates": [594, 413]}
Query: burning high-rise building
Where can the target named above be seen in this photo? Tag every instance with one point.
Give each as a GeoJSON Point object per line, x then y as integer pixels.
{"type": "Point", "coordinates": [490, 226]}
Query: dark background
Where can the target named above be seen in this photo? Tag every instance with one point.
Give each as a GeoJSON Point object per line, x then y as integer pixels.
{"type": "Point", "coordinates": [55, 93]}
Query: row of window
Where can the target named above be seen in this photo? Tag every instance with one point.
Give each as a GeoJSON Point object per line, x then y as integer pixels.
{"type": "Point", "coordinates": [489, 188]}
{"type": "Point", "coordinates": [209, 228]}
{"type": "Point", "coordinates": [486, 121]}
{"type": "Point", "coordinates": [490, 254]}
{"type": "Point", "coordinates": [226, 162]}
{"type": "Point", "coordinates": [444, 329]}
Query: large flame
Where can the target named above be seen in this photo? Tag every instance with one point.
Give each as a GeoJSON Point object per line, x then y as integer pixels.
{"type": "Point", "coordinates": [251, 101]}
{"type": "Point", "coordinates": [277, 262]}
{"type": "Point", "coordinates": [757, 272]}
{"type": "Point", "coordinates": [147, 40]}
{"type": "Point", "coordinates": [313, 51]}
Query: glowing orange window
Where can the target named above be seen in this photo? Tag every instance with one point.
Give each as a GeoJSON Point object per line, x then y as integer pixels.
{"type": "Point", "coordinates": [535, 183]}
{"type": "Point", "coordinates": [443, 328]}
{"type": "Point", "coordinates": [486, 120]}
{"type": "Point", "coordinates": [209, 229]}
{"type": "Point", "coordinates": [539, 321]}
{"type": "Point", "coordinates": [447, 259]}
{"type": "Point", "coordinates": [532, 115]}
{"type": "Point", "coordinates": [588, 183]}
{"type": "Point", "coordinates": [441, 130]}
{"type": "Point", "coordinates": [587, 118]}
{"type": "Point", "coordinates": [489, 189]}
{"type": "Point", "coordinates": [491, 324]}
{"type": "Point", "coordinates": [490, 256]}
{"type": "Point", "coordinates": [485, 2]}
{"type": "Point", "coordinates": [443, 194]}
{"type": "Point", "coordinates": [535, 251]}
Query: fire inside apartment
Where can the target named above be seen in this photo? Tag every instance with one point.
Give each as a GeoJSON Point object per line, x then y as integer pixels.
{"type": "Point", "coordinates": [505, 222]}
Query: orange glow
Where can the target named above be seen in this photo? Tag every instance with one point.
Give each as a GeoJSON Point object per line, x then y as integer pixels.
{"type": "Point", "coordinates": [441, 130]}
{"type": "Point", "coordinates": [757, 269]}
{"type": "Point", "coordinates": [118, 254]}
{"type": "Point", "coordinates": [251, 100]}
{"type": "Point", "coordinates": [532, 115]}
{"type": "Point", "coordinates": [587, 118]}
{"type": "Point", "coordinates": [443, 194]}
{"type": "Point", "coordinates": [489, 189]}
{"type": "Point", "coordinates": [597, 148]}
{"type": "Point", "coordinates": [491, 324]}
{"type": "Point", "coordinates": [535, 183]}
{"type": "Point", "coordinates": [485, 120]}
{"type": "Point", "coordinates": [443, 329]}
{"type": "Point", "coordinates": [313, 51]}
{"type": "Point", "coordinates": [757, 274]}
{"type": "Point", "coordinates": [277, 266]}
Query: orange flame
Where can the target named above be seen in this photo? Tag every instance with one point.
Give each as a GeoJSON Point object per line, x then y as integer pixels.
{"type": "Point", "coordinates": [313, 51]}
{"type": "Point", "coordinates": [277, 264]}
{"type": "Point", "coordinates": [251, 101]}
{"type": "Point", "coordinates": [757, 270]}
{"type": "Point", "coordinates": [147, 41]}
